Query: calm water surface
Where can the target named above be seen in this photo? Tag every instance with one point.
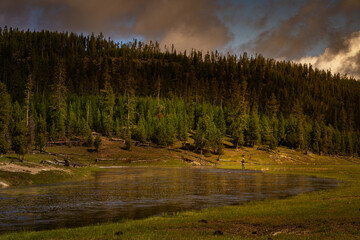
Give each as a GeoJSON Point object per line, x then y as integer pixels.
{"type": "Point", "coordinates": [131, 193]}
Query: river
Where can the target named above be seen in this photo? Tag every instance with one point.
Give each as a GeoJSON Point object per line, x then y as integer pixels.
{"type": "Point", "coordinates": [139, 192]}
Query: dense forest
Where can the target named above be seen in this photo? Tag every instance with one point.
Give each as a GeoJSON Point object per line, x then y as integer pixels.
{"type": "Point", "coordinates": [58, 86]}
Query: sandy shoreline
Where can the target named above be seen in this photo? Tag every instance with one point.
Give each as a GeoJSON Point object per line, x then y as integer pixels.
{"type": "Point", "coordinates": [10, 167]}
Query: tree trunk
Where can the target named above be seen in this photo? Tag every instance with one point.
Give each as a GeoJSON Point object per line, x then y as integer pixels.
{"type": "Point", "coordinates": [27, 108]}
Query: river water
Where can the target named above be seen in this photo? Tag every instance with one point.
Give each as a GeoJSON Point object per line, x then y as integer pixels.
{"type": "Point", "coordinates": [139, 192]}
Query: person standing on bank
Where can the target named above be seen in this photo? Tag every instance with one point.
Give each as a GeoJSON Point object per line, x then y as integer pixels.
{"type": "Point", "coordinates": [243, 162]}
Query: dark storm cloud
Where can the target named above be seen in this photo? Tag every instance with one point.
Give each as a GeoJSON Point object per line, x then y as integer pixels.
{"type": "Point", "coordinates": [288, 29]}
{"type": "Point", "coordinates": [316, 22]}
{"type": "Point", "coordinates": [10, 12]}
{"type": "Point", "coordinates": [187, 23]}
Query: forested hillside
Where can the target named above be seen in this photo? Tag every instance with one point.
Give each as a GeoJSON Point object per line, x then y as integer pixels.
{"type": "Point", "coordinates": [57, 86]}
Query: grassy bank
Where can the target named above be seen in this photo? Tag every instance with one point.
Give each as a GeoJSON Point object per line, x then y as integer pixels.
{"type": "Point", "coordinates": [329, 214]}
{"type": "Point", "coordinates": [29, 172]}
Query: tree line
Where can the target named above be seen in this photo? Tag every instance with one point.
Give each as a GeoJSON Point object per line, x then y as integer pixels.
{"type": "Point", "coordinates": [62, 86]}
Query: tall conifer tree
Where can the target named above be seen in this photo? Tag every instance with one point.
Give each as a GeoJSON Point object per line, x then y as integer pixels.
{"type": "Point", "coordinates": [5, 110]}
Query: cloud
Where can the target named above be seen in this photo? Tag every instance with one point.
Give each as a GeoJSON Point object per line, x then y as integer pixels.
{"type": "Point", "coordinates": [344, 59]}
{"type": "Point", "coordinates": [186, 24]}
{"type": "Point", "coordinates": [316, 23]}
{"type": "Point", "coordinates": [283, 29]}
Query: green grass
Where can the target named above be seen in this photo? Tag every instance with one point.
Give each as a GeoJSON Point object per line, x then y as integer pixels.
{"type": "Point", "coordinates": [61, 174]}
{"type": "Point", "coordinates": [328, 214]}
{"type": "Point", "coordinates": [46, 177]}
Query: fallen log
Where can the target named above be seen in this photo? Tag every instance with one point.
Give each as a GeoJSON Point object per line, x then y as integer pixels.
{"type": "Point", "coordinates": [67, 162]}
{"type": "Point", "coordinates": [152, 160]}
{"type": "Point", "coordinates": [146, 144]}
{"type": "Point", "coordinates": [48, 162]}
{"type": "Point", "coordinates": [117, 140]}
{"type": "Point", "coordinates": [193, 162]}
{"type": "Point", "coordinates": [60, 143]}
{"type": "Point", "coordinates": [77, 164]}
{"type": "Point", "coordinates": [110, 159]}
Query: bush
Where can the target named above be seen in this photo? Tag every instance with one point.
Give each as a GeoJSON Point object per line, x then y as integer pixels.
{"type": "Point", "coordinates": [97, 143]}
{"type": "Point", "coordinates": [90, 140]}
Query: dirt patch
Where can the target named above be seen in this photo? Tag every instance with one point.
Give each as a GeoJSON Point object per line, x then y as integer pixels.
{"type": "Point", "coordinates": [10, 167]}
{"type": "Point", "coordinates": [251, 230]}
{"type": "Point", "coordinates": [247, 230]}
{"type": "Point", "coordinates": [259, 230]}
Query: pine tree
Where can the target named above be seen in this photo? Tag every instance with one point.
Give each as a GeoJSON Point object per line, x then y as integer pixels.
{"type": "Point", "coordinates": [71, 120]}
{"type": "Point", "coordinates": [18, 131]}
{"type": "Point", "coordinates": [272, 106]}
{"type": "Point", "coordinates": [40, 132]}
{"type": "Point", "coordinates": [300, 143]}
{"type": "Point", "coordinates": [28, 97]}
{"type": "Point", "coordinates": [220, 121]}
{"type": "Point", "coordinates": [57, 108]}
{"type": "Point", "coordinates": [253, 130]}
{"type": "Point", "coordinates": [140, 131]}
{"type": "Point", "coordinates": [330, 139]}
{"type": "Point", "coordinates": [324, 138]}
{"type": "Point", "coordinates": [200, 134]}
{"type": "Point", "coordinates": [165, 133]}
{"type": "Point", "coordinates": [29, 111]}
{"type": "Point", "coordinates": [90, 140]}
{"type": "Point", "coordinates": [349, 143]}
{"type": "Point", "coordinates": [218, 143]}
{"type": "Point", "coordinates": [266, 133]}
{"type": "Point", "coordinates": [129, 91]}
{"type": "Point", "coordinates": [83, 127]}
{"type": "Point", "coordinates": [159, 106]}
{"type": "Point", "coordinates": [337, 141]}
{"type": "Point", "coordinates": [280, 133]}
{"type": "Point", "coordinates": [107, 102]}
{"type": "Point", "coordinates": [207, 136]}
{"type": "Point", "coordinates": [316, 137]}
{"type": "Point", "coordinates": [215, 138]}
{"type": "Point", "coordinates": [117, 127]}
{"type": "Point", "coordinates": [5, 109]}
{"type": "Point", "coordinates": [4, 146]}
{"type": "Point", "coordinates": [237, 112]}
{"type": "Point", "coordinates": [290, 132]}
{"type": "Point", "coordinates": [128, 142]}
{"type": "Point", "coordinates": [182, 128]}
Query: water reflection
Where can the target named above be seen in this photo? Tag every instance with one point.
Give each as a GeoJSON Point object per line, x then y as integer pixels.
{"type": "Point", "coordinates": [131, 193]}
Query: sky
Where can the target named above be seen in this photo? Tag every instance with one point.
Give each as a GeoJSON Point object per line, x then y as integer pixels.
{"type": "Point", "coordinates": [325, 33]}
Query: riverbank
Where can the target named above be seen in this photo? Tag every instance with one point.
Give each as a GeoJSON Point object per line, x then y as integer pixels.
{"type": "Point", "coordinates": [32, 172]}
{"type": "Point", "coordinates": [48, 167]}
{"type": "Point", "coordinates": [330, 214]}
